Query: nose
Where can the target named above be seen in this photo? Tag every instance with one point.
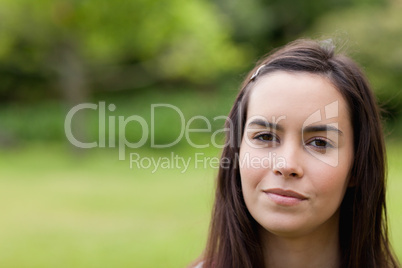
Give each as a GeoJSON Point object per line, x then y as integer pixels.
{"type": "Point", "coordinates": [291, 164]}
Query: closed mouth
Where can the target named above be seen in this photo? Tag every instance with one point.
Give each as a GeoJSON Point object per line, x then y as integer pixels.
{"type": "Point", "coordinates": [285, 193]}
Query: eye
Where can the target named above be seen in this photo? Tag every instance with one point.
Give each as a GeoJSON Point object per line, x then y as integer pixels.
{"type": "Point", "coordinates": [266, 137]}
{"type": "Point", "coordinates": [320, 144]}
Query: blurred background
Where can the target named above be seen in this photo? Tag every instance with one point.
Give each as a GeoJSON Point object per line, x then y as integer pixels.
{"type": "Point", "coordinates": [62, 206]}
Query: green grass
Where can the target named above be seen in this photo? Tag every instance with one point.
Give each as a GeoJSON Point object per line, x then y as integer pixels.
{"type": "Point", "coordinates": [69, 210]}
{"type": "Point", "coordinates": [60, 208]}
{"type": "Point", "coordinates": [394, 197]}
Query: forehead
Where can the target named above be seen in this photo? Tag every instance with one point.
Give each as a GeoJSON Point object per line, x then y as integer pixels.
{"type": "Point", "coordinates": [296, 96]}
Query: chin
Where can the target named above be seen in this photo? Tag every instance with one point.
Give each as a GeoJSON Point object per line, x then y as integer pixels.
{"type": "Point", "coordinates": [286, 228]}
{"type": "Point", "coordinates": [286, 233]}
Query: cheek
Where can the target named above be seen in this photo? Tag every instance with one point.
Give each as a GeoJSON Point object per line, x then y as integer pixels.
{"type": "Point", "coordinates": [330, 183]}
{"type": "Point", "coordinates": [251, 172]}
{"type": "Point", "coordinates": [332, 180]}
{"type": "Point", "coordinates": [254, 166]}
{"type": "Point", "coordinates": [247, 174]}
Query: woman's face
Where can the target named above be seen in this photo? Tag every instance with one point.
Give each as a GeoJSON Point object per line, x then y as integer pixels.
{"type": "Point", "coordinates": [296, 153]}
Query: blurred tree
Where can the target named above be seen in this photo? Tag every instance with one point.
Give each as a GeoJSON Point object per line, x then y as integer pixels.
{"type": "Point", "coordinates": [264, 25]}
{"type": "Point", "coordinates": [75, 45]}
{"type": "Point", "coordinates": [123, 44]}
{"type": "Point", "coordinates": [69, 48]}
{"type": "Point", "coordinates": [374, 37]}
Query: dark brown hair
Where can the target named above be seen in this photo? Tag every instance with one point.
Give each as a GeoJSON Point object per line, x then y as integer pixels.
{"type": "Point", "coordinates": [233, 237]}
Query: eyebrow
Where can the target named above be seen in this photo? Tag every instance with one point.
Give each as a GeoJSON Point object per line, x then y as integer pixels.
{"type": "Point", "coordinates": [321, 128]}
{"type": "Point", "coordinates": [260, 122]}
{"type": "Point", "coordinates": [309, 129]}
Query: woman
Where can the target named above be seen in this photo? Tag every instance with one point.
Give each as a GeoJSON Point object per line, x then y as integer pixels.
{"type": "Point", "coordinates": [305, 186]}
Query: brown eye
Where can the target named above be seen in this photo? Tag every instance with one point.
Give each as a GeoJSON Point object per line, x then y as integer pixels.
{"type": "Point", "coordinates": [320, 143]}
{"type": "Point", "coordinates": [266, 137]}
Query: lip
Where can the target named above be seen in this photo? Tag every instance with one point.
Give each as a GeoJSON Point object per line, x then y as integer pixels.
{"type": "Point", "coordinates": [285, 197]}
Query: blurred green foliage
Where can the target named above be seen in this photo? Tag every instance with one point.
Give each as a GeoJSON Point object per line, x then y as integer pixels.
{"type": "Point", "coordinates": [143, 41]}
{"type": "Point", "coordinates": [67, 52]}
{"type": "Point", "coordinates": [267, 24]}
{"type": "Point", "coordinates": [373, 36]}
{"type": "Point", "coordinates": [32, 122]}
{"type": "Point", "coordinates": [57, 53]}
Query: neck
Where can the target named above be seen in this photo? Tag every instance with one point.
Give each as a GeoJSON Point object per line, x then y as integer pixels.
{"type": "Point", "coordinates": [319, 248]}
